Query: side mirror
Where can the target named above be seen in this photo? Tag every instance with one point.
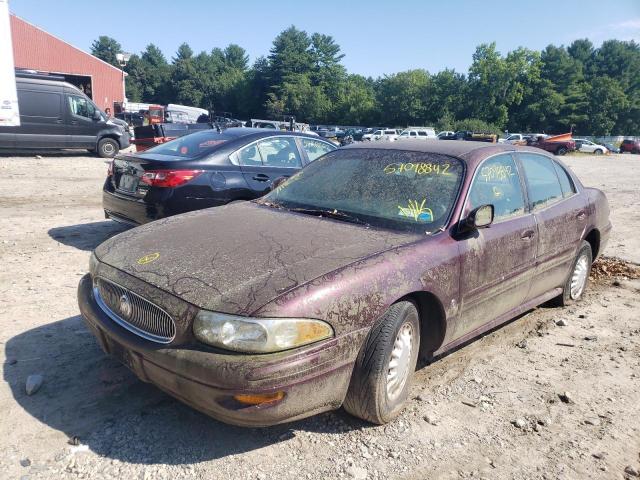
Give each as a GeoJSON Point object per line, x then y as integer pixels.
{"type": "Point", "coordinates": [96, 115]}
{"type": "Point", "coordinates": [480, 217]}
{"type": "Point", "coordinates": [278, 181]}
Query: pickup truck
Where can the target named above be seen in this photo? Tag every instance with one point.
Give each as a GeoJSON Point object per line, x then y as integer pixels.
{"type": "Point", "coordinates": [558, 145]}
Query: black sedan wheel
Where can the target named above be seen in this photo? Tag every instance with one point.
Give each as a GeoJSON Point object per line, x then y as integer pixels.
{"type": "Point", "coordinates": [382, 374]}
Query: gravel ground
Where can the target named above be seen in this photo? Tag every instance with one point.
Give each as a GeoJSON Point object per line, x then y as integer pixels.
{"type": "Point", "coordinates": [553, 394]}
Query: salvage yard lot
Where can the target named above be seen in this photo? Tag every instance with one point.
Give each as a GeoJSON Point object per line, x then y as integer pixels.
{"type": "Point", "coordinates": [491, 409]}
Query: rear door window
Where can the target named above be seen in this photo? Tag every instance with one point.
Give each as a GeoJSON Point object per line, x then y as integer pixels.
{"type": "Point", "coordinates": [497, 183]}
{"type": "Point", "coordinates": [279, 152]}
{"type": "Point", "coordinates": [568, 188]}
{"type": "Point", "coordinates": [542, 181]}
{"type": "Point", "coordinates": [315, 148]}
{"type": "Point", "coordinates": [250, 156]}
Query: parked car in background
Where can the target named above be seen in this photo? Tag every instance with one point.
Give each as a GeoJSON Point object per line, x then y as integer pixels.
{"type": "Point", "coordinates": [471, 136]}
{"type": "Point", "coordinates": [515, 139]}
{"type": "Point", "coordinates": [56, 115]}
{"type": "Point", "coordinates": [388, 135]}
{"type": "Point", "coordinates": [445, 133]}
{"type": "Point", "coordinates": [326, 291]}
{"type": "Point", "coordinates": [553, 144]}
{"type": "Point", "coordinates": [587, 146]}
{"type": "Point", "coordinates": [417, 133]}
{"type": "Point", "coordinates": [204, 169]}
{"type": "Point", "coordinates": [612, 148]}
{"type": "Point", "coordinates": [630, 146]}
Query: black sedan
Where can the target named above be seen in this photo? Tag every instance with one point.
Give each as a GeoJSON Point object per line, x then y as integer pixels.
{"type": "Point", "coordinates": [204, 169]}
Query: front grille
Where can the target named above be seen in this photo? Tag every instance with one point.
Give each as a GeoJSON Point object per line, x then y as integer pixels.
{"type": "Point", "coordinates": [134, 313]}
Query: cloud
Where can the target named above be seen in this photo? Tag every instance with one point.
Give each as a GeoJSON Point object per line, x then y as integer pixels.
{"type": "Point", "coordinates": [625, 30]}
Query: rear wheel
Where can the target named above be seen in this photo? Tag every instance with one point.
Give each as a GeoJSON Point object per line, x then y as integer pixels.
{"type": "Point", "coordinates": [382, 375]}
{"type": "Point", "coordinates": [635, 150]}
{"type": "Point", "coordinates": [578, 278]}
{"type": "Point", "coordinates": [108, 148]}
{"type": "Point", "coordinates": [561, 151]}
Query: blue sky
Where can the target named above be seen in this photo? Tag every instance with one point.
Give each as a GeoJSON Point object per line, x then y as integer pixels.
{"type": "Point", "coordinates": [377, 37]}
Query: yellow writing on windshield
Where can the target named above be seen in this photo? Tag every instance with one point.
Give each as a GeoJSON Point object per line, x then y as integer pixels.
{"type": "Point", "coordinates": [417, 211]}
{"type": "Point", "coordinates": [420, 168]}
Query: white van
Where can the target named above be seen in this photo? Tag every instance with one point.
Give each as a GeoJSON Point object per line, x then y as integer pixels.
{"type": "Point", "coordinates": [417, 133]}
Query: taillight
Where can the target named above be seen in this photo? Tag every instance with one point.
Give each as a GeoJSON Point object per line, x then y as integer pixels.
{"type": "Point", "coordinates": [110, 169]}
{"type": "Point", "coordinates": [168, 178]}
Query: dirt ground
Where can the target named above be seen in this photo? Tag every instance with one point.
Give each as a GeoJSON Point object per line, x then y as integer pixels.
{"type": "Point", "coordinates": [492, 409]}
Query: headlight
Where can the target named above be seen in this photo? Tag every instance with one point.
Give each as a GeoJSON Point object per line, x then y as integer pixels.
{"type": "Point", "coordinates": [258, 335]}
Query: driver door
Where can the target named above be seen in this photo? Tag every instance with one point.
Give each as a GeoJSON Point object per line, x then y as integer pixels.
{"type": "Point", "coordinates": [497, 262]}
{"type": "Point", "coordinates": [81, 125]}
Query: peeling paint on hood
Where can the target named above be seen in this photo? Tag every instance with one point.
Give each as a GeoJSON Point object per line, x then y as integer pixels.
{"type": "Point", "coordinates": [236, 258]}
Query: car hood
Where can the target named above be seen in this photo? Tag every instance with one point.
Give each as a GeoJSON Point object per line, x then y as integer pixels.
{"type": "Point", "coordinates": [237, 258]}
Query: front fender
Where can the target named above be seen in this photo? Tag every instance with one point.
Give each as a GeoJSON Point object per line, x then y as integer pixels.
{"type": "Point", "coordinates": [354, 296]}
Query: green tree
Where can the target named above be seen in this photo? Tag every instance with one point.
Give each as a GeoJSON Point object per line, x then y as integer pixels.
{"type": "Point", "coordinates": [403, 97]}
{"type": "Point", "coordinates": [106, 48]}
{"type": "Point", "coordinates": [606, 101]}
{"type": "Point", "coordinates": [184, 77]}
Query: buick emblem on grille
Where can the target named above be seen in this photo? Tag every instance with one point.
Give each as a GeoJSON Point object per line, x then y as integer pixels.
{"type": "Point", "coordinates": [126, 309]}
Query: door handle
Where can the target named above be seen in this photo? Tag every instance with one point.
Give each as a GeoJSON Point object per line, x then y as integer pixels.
{"type": "Point", "coordinates": [59, 120]}
{"type": "Point", "coordinates": [261, 177]}
{"type": "Point", "coordinates": [527, 235]}
{"type": "Point", "coordinates": [581, 215]}
{"type": "Point", "coordinates": [74, 122]}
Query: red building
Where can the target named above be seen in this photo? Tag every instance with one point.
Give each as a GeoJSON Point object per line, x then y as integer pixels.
{"type": "Point", "coordinates": [35, 49]}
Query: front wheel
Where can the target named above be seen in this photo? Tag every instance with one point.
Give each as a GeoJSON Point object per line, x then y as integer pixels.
{"type": "Point", "coordinates": [578, 278]}
{"type": "Point", "coordinates": [108, 148]}
{"type": "Point", "coordinates": [382, 375]}
{"type": "Point", "coordinates": [561, 151]}
{"type": "Point", "coordinates": [598, 152]}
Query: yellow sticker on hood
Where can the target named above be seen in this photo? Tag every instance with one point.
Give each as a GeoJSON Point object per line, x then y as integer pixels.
{"type": "Point", "coordinates": [152, 257]}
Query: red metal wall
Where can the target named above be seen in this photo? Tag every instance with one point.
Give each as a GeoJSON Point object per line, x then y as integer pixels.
{"type": "Point", "coordinates": [38, 50]}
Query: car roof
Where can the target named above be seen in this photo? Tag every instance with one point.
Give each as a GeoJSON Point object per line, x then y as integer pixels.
{"type": "Point", "coordinates": [263, 132]}
{"type": "Point", "coordinates": [463, 149]}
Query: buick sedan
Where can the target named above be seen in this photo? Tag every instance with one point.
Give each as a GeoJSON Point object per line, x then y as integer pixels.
{"type": "Point", "coordinates": [326, 291]}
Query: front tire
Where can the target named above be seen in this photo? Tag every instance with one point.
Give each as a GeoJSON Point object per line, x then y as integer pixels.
{"type": "Point", "coordinates": [578, 278]}
{"type": "Point", "coordinates": [561, 151]}
{"type": "Point", "coordinates": [108, 148]}
{"type": "Point", "coordinates": [383, 372]}
{"type": "Point", "coordinates": [598, 152]}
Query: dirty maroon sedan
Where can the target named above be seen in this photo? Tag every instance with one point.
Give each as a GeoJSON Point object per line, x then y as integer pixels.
{"type": "Point", "coordinates": [325, 292]}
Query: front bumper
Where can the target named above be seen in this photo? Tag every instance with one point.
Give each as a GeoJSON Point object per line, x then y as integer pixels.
{"type": "Point", "coordinates": [315, 378]}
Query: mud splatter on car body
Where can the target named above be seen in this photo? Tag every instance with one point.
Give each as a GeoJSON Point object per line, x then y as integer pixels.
{"type": "Point", "coordinates": [252, 260]}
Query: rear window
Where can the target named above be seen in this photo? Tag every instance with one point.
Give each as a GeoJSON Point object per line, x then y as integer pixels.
{"type": "Point", "coordinates": [194, 145]}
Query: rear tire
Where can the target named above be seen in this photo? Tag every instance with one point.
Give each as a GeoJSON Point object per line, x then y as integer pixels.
{"type": "Point", "coordinates": [108, 148]}
{"type": "Point", "coordinates": [383, 372]}
{"type": "Point", "coordinates": [561, 151]}
{"type": "Point", "coordinates": [635, 151]}
{"type": "Point", "coordinates": [578, 277]}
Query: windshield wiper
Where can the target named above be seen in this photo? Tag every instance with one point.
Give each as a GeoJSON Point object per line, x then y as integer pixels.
{"type": "Point", "coordinates": [335, 214]}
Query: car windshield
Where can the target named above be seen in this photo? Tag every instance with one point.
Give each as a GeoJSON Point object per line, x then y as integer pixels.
{"type": "Point", "coordinates": [393, 189]}
{"type": "Point", "coordinates": [193, 145]}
